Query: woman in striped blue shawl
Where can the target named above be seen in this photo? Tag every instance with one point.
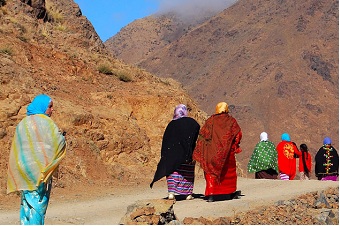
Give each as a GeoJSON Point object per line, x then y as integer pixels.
{"type": "Point", "coordinates": [37, 149]}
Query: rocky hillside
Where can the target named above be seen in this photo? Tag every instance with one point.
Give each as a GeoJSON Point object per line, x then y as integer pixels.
{"type": "Point", "coordinates": [114, 114]}
{"type": "Point", "coordinates": [275, 63]}
{"type": "Point", "coordinates": [143, 37]}
{"type": "Point", "coordinates": [315, 208]}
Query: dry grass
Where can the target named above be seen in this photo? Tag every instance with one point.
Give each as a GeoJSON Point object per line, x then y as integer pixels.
{"type": "Point", "coordinates": [54, 12]}
{"type": "Point", "coordinates": [6, 50]}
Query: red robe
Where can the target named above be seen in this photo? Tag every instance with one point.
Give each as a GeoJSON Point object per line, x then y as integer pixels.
{"type": "Point", "coordinates": [217, 144]}
{"type": "Point", "coordinates": [286, 160]}
{"type": "Point", "coordinates": [228, 180]}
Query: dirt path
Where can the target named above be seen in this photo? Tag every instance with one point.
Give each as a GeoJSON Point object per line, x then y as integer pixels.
{"type": "Point", "coordinates": [109, 207]}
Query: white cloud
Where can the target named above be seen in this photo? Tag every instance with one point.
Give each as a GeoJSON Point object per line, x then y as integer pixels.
{"type": "Point", "coordinates": [188, 10]}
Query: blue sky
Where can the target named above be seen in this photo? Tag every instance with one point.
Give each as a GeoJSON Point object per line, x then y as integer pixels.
{"type": "Point", "coordinates": [109, 16]}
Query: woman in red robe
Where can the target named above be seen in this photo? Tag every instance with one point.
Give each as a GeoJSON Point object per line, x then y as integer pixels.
{"type": "Point", "coordinates": [287, 152]}
{"type": "Point", "coordinates": [217, 144]}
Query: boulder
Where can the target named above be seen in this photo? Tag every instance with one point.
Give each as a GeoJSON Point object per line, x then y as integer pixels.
{"type": "Point", "coordinates": [151, 212]}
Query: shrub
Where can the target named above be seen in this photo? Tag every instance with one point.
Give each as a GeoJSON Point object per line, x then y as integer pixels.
{"type": "Point", "coordinates": [61, 27]}
{"type": "Point", "coordinates": [21, 28]}
{"type": "Point", "coordinates": [22, 38]}
{"type": "Point", "coordinates": [123, 76]}
{"type": "Point", "coordinates": [104, 69]}
{"type": "Point", "coordinates": [7, 51]}
{"type": "Point", "coordinates": [54, 13]}
{"type": "Point", "coordinates": [44, 31]}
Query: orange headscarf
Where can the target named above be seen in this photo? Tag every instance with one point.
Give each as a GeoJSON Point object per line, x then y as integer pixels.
{"type": "Point", "coordinates": [222, 107]}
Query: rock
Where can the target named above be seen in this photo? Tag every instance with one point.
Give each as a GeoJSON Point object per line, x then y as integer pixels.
{"type": "Point", "coordinates": [321, 202]}
{"type": "Point", "coordinates": [3, 133]}
{"type": "Point", "coordinates": [196, 221]}
{"type": "Point", "coordinates": [150, 212]}
{"type": "Point", "coordinates": [327, 216]}
{"type": "Point", "coordinates": [222, 221]}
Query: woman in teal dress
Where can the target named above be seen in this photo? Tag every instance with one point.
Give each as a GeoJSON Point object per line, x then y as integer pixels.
{"type": "Point", "coordinates": [37, 148]}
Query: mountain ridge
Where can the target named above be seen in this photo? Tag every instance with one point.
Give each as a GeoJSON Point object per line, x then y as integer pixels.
{"type": "Point", "coordinates": [274, 62]}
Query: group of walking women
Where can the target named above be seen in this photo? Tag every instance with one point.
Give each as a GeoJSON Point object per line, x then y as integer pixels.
{"type": "Point", "coordinates": [38, 147]}
{"type": "Point", "coordinates": [214, 147]}
{"type": "Point", "coordinates": [279, 162]}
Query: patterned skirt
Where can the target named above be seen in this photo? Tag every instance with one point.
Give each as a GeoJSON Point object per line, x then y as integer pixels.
{"type": "Point", "coordinates": [284, 176]}
{"type": "Point", "coordinates": [182, 180]}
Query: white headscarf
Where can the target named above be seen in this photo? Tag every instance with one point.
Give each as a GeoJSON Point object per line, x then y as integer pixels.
{"type": "Point", "coordinates": [264, 136]}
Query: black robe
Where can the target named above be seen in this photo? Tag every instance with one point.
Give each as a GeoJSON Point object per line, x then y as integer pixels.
{"type": "Point", "coordinates": [320, 160]}
{"type": "Point", "coordinates": [179, 141]}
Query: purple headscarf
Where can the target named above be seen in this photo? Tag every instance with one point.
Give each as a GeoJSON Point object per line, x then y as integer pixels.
{"type": "Point", "coordinates": [180, 111]}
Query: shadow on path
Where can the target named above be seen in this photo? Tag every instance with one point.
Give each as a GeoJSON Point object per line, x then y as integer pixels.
{"type": "Point", "coordinates": [211, 198]}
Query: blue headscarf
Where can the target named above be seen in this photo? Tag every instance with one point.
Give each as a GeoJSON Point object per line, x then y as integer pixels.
{"type": "Point", "coordinates": [327, 140]}
{"type": "Point", "coordinates": [285, 137]}
{"type": "Point", "coordinates": [180, 111]}
{"type": "Point", "coordinates": [39, 105]}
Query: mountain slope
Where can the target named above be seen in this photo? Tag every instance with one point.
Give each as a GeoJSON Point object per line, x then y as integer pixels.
{"type": "Point", "coordinates": [145, 36]}
{"type": "Point", "coordinates": [141, 38]}
{"type": "Point", "coordinates": [274, 62]}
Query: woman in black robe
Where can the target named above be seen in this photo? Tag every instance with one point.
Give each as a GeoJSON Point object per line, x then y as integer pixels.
{"type": "Point", "coordinates": [327, 162]}
{"type": "Point", "coordinates": [176, 163]}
